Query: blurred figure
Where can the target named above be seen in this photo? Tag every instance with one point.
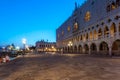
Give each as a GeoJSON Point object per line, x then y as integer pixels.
{"type": "Point", "coordinates": [3, 59]}
{"type": "Point", "coordinates": [7, 58]}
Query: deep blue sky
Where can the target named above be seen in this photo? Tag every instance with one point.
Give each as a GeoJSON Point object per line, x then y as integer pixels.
{"type": "Point", "coordinates": [32, 19]}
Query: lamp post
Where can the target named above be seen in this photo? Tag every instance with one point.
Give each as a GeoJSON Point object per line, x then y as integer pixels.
{"type": "Point", "coordinates": [24, 45]}
{"type": "Point", "coordinates": [70, 45]}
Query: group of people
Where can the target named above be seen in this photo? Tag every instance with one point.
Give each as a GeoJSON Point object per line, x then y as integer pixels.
{"type": "Point", "coordinates": [4, 58]}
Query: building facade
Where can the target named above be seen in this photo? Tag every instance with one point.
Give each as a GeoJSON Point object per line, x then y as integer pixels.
{"type": "Point", "coordinates": [93, 27]}
{"type": "Point", "coordinates": [44, 46]}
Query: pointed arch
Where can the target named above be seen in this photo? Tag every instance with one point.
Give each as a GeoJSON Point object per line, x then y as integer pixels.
{"type": "Point", "coordinates": [86, 48]}
{"type": "Point", "coordinates": [95, 34]}
{"type": "Point", "coordinates": [75, 49]}
{"type": "Point", "coordinates": [93, 47]}
{"type": "Point", "coordinates": [103, 47]}
{"type": "Point", "coordinates": [116, 47]}
{"type": "Point", "coordinates": [80, 49]}
{"type": "Point", "coordinates": [106, 31]}
{"type": "Point", "coordinates": [91, 35]}
{"type": "Point", "coordinates": [113, 29]}
{"type": "Point", "coordinates": [100, 33]}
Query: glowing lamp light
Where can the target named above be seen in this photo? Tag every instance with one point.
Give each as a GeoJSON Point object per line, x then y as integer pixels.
{"type": "Point", "coordinates": [18, 48]}
{"type": "Point", "coordinates": [52, 46]}
{"type": "Point", "coordinates": [70, 44]}
{"type": "Point", "coordinates": [24, 41]}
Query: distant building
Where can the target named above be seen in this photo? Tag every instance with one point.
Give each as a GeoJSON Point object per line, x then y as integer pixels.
{"type": "Point", "coordinates": [44, 46]}
{"type": "Point", "coordinates": [93, 27]}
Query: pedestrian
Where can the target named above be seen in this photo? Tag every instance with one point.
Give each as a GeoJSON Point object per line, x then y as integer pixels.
{"type": "Point", "coordinates": [7, 58]}
{"type": "Point", "coordinates": [3, 59]}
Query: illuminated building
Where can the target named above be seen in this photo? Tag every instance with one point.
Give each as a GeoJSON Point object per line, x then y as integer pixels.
{"type": "Point", "coordinates": [44, 46]}
{"type": "Point", "coordinates": [93, 27]}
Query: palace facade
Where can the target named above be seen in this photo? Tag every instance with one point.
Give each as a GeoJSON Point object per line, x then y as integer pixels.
{"type": "Point", "coordinates": [44, 46]}
{"type": "Point", "coordinates": [93, 27]}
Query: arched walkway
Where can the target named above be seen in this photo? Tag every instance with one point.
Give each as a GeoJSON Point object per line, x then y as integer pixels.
{"type": "Point", "coordinates": [93, 48]}
{"type": "Point", "coordinates": [71, 49]}
{"type": "Point", "coordinates": [65, 49]}
{"type": "Point", "coordinates": [104, 49]}
{"type": "Point", "coordinates": [75, 49]}
{"type": "Point", "coordinates": [86, 49]}
{"type": "Point", "coordinates": [80, 49]}
{"type": "Point", "coordinates": [116, 47]}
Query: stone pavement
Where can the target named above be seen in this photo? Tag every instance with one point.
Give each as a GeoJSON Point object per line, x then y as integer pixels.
{"type": "Point", "coordinates": [61, 67]}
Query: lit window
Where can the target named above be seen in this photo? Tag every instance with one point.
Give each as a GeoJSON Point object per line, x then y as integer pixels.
{"type": "Point", "coordinates": [76, 26]}
{"type": "Point", "coordinates": [113, 6]}
{"type": "Point", "coordinates": [68, 28]}
{"type": "Point", "coordinates": [87, 16]}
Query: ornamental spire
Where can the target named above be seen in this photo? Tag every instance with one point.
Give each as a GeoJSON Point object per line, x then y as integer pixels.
{"type": "Point", "coordinates": [76, 5]}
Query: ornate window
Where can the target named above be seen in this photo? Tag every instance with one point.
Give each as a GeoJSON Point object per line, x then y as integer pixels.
{"type": "Point", "coordinates": [87, 16]}
{"type": "Point", "coordinates": [75, 26]}
{"type": "Point", "coordinates": [113, 6]}
{"type": "Point", "coordinates": [68, 28]}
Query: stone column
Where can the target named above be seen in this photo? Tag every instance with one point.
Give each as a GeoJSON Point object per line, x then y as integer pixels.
{"type": "Point", "coordinates": [103, 33]}
{"type": "Point", "coordinates": [110, 51]}
{"type": "Point", "coordinates": [89, 49]}
{"type": "Point", "coordinates": [97, 48]}
{"type": "Point", "coordinates": [110, 48]}
{"type": "Point", "coordinates": [83, 50]}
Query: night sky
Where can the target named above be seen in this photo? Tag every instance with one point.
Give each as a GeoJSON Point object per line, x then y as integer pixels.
{"type": "Point", "coordinates": [32, 19]}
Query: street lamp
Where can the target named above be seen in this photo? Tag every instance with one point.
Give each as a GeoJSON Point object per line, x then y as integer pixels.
{"type": "Point", "coordinates": [24, 44]}
{"type": "Point", "coordinates": [70, 45]}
